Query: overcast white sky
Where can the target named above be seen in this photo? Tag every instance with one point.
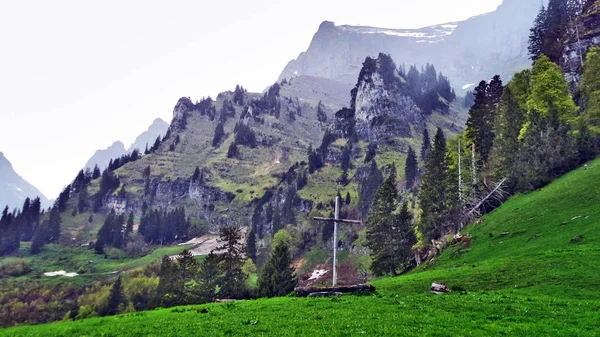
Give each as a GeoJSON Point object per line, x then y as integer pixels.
{"type": "Point", "coordinates": [75, 76]}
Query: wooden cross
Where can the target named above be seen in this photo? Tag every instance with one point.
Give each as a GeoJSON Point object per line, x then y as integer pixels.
{"type": "Point", "coordinates": [335, 223]}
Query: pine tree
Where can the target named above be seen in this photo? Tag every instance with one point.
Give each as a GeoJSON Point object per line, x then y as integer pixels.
{"type": "Point", "coordinates": [9, 232]}
{"type": "Point", "coordinates": [426, 147]}
{"type": "Point", "coordinates": [232, 151]}
{"type": "Point", "coordinates": [277, 277]}
{"type": "Point", "coordinates": [54, 223]}
{"type": "Point", "coordinates": [233, 282]}
{"type": "Point", "coordinates": [411, 168]}
{"type": "Point", "coordinates": [251, 245]}
{"type": "Point", "coordinates": [348, 198]}
{"type": "Point", "coordinates": [509, 122]}
{"type": "Point", "coordinates": [433, 191]}
{"type": "Point", "coordinates": [116, 300]}
{"type": "Point", "coordinates": [82, 200]}
{"type": "Point", "coordinates": [482, 115]}
{"type": "Point", "coordinates": [379, 229]}
{"type": "Point", "coordinates": [129, 227]}
{"type": "Point", "coordinates": [321, 114]}
{"type": "Point", "coordinates": [196, 175]}
{"type": "Point", "coordinates": [368, 188]}
{"type": "Point", "coordinates": [96, 174]}
{"type": "Point", "coordinates": [40, 236]}
{"type": "Point", "coordinates": [167, 284]}
{"type": "Point", "coordinates": [219, 133]}
{"type": "Point", "coordinates": [208, 278]}
{"type": "Point", "coordinates": [537, 35]}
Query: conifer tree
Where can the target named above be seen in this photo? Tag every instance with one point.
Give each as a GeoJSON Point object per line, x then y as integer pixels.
{"type": "Point", "coordinates": [321, 114]}
{"type": "Point", "coordinates": [390, 236]}
{"type": "Point", "coordinates": [129, 227]}
{"type": "Point", "coordinates": [433, 191]}
{"type": "Point", "coordinates": [165, 292]}
{"type": "Point", "coordinates": [96, 173]}
{"type": "Point", "coordinates": [233, 282]}
{"type": "Point", "coordinates": [277, 277]}
{"type": "Point", "coordinates": [537, 35]}
{"type": "Point", "coordinates": [368, 188]}
{"type": "Point", "coordinates": [426, 147]}
{"type": "Point", "coordinates": [219, 133]}
{"type": "Point", "coordinates": [411, 168]}
{"type": "Point", "coordinates": [40, 235]}
{"type": "Point", "coordinates": [208, 278]}
{"type": "Point", "coordinates": [82, 200]}
{"type": "Point", "coordinates": [9, 232]}
{"type": "Point", "coordinates": [116, 300]}
{"type": "Point", "coordinates": [54, 223]}
{"type": "Point", "coordinates": [348, 198]}
{"type": "Point", "coordinates": [509, 121]}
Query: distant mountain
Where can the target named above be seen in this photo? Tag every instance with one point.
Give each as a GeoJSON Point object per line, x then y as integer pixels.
{"type": "Point", "coordinates": [14, 189]}
{"type": "Point", "coordinates": [158, 128]}
{"type": "Point", "coordinates": [103, 157]}
{"type": "Point", "coordinates": [466, 52]}
{"type": "Point", "coordinates": [117, 149]}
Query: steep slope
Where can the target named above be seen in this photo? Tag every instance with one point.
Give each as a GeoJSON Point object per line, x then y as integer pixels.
{"type": "Point", "coordinates": [466, 51]}
{"type": "Point", "coordinates": [529, 269]}
{"type": "Point", "coordinates": [14, 189]}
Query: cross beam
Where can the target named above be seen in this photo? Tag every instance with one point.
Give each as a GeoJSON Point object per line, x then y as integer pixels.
{"type": "Point", "coordinates": [335, 240]}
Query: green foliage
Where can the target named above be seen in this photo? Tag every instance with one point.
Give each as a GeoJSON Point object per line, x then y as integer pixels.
{"type": "Point", "coordinates": [233, 280]}
{"type": "Point", "coordinates": [411, 168]}
{"type": "Point", "coordinates": [532, 281]}
{"type": "Point", "coordinates": [549, 96]}
{"type": "Point", "coordinates": [590, 89]}
{"type": "Point", "coordinates": [208, 278]}
{"type": "Point", "coordinates": [116, 300]}
{"type": "Point", "coordinates": [368, 188]}
{"type": "Point", "coordinates": [277, 277]}
{"type": "Point", "coordinates": [432, 196]}
{"type": "Point", "coordinates": [390, 236]}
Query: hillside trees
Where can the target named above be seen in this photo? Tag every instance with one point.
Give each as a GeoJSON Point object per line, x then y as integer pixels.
{"type": "Point", "coordinates": [367, 189]}
{"type": "Point", "coordinates": [480, 124]}
{"type": "Point", "coordinates": [277, 277]}
{"type": "Point", "coordinates": [390, 236]}
{"type": "Point", "coordinates": [164, 227]}
{"type": "Point", "coordinates": [411, 168]}
{"type": "Point", "coordinates": [432, 196]}
{"type": "Point", "coordinates": [233, 279]}
{"type": "Point", "coordinates": [111, 233]}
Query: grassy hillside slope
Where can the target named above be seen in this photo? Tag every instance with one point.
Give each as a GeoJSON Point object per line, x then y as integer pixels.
{"type": "Point", "coordinates": [532, 269]}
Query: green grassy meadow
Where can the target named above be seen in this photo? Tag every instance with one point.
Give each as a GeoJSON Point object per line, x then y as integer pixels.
{"type": "Point", "coordinates": [531, 270]}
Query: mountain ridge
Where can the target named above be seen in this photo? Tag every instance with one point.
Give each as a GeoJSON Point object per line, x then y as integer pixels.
{"type": "Point", "coordinates": [14, 189]}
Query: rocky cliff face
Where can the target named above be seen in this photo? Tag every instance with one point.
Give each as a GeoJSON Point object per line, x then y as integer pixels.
{"type": "Point", "coordinates": [467, 51]}
{"type": "Point", "coordinates": [14, 189]}
{"type": "Point", "coordinates": [382, 103]}
{"type": "Point", "coordinates": [579, 43]}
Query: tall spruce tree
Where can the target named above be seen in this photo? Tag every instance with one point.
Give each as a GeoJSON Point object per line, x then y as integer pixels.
{"type": "Point", "coordinates": [367, 189]}
{"type": "Point", "coordinates": [233, 282]}
{"type": "Point", "coordinates": [426, 146]}
{"type": "Point", "coordinates": [411, 168]}
{"type": "Point", "coordinates": [432, 196]}
{"type": "Point", "coordinates": [208, 278]}
{"type": "Point", "coordinates": [277, 277]}
{"type": "Point", "coordinates": [251, 245]}
{"type": "Point", "coordinates": [116, 299]}
{"type": "Point", "coordinates": [390, 235]}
